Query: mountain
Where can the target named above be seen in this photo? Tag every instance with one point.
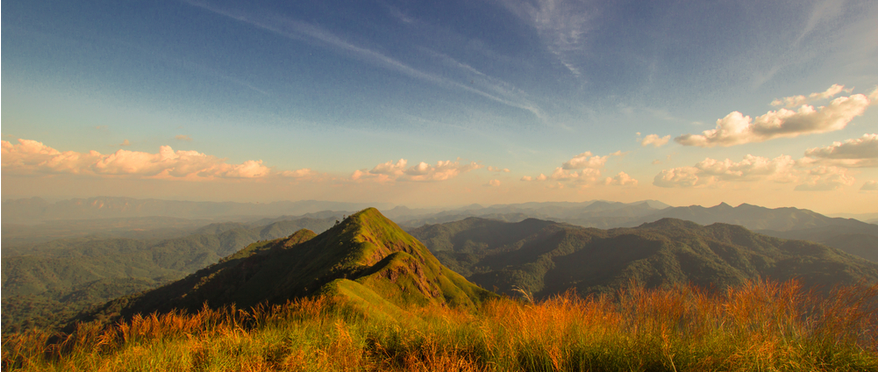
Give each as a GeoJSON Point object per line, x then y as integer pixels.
{"type": "Point", "coordinates": [35, 210]}
{"type": "Point", "coordinates": [590, 214]}
{"type": "Point", "coordinates": [847, 234]}
{"type": "Point", "coordinates": [750, 216]}
{"type": "Point", "coordinates": [854, 237]}
{"type": "Point", "coordinates": [547, 258]}
{"type": "Point", "coordinates": [364, 259]}
{"type": "Point", "coordinates": [47, 282]}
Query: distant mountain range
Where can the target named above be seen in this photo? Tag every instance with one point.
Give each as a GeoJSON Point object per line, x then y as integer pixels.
{"type": "Point", "coordinates": [601, 214]}
{"type": "Point", "coordinates": [34, 210]}
{"type": "Point", "coordinates": [847, 234]}
{"type": "Point", "coordinates": [547, 257]}
{"type": "Point", "coordinates": [750, 216]}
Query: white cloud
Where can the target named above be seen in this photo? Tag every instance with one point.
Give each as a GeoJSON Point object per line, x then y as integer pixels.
{"type": "Point", "coordinates": [495, 169]}
{"type": "Point", "coordinates": [389, 168]}
{"type": "Point", "coordinates": [655, 140]}
{"type": "Point", "coordinates": [183, 137]}
{"type": "Point", "coordinates": [390, 171]}
{"type": "Point", "coordinates": [494, 183]}
{"type": "Point", "coordinates": [853, 153]}
{"type": "Point", "coordinates": [299, 173]}
{"type": "Point", "coordinates": [125, 143]}
{"type": "Point", "coordinates": [31, 157]}
{"type": "Point", "coordinates": [825, 179]}
{"type": "Point", "coordinates": [796, 101]}
{"type": "Point", "coordinates": [621, 179]}
{"type": "Point", "coordinates": [870, 186]}
{"type": "Point", "coordinates": [248, 169]}
{"type": "Point", "coordinates": [678, 177]}
{"type": "Point", "coordinates": [583, 169]}
{"type": "Point", "coordinates": [586, 176]}
{"type": "Point", "coordinates": [736, 129]}
{"type": "Point", "coordinates": [710, 171]}
{"type": "Point", "coordinates": [587, 160]}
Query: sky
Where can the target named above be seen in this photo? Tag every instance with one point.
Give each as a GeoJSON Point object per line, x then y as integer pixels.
{"type": "Point", "coordinates": [444, 103]}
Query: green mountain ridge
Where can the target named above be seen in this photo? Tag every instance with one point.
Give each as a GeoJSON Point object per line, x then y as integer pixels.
{"type": "Point", "coordinates": [363, 258]}
{"type": "Point", "coordinates": [547, 258]}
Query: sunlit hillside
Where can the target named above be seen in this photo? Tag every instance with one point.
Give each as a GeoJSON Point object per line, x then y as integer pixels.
{"type": "Point", "coordinates": [759, 326]}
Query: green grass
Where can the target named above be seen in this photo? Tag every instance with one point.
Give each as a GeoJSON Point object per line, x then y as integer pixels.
{"type": "Point", "coordinates": [759, 326]}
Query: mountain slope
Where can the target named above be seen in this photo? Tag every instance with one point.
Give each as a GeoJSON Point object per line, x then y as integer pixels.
{"type": "Point", "coordinates": [366, 248]}
{"type": "Point", "coordinates": [859, 239]}
{"type": "Point", "coordinates": [46, 283]}
{"type": "Point", "coordinates": [548, 258]}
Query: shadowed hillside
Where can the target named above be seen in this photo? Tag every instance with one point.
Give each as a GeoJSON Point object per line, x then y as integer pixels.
{"type": "Point", "coordinates": [366, 258]}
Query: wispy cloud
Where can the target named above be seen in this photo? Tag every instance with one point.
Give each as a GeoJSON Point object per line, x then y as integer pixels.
{"type": "Point", "coordinates": [562, 26]}
{"type": "Point", "coordinates": [823, 12]}
{"type": "Point", "coordinates": [490, 87]}
{"type": "Point", "coordinates": [307, 32]}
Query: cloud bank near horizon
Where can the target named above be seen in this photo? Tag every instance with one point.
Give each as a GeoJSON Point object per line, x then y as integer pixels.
{"type": "Point", "coordinates": [34, 157]}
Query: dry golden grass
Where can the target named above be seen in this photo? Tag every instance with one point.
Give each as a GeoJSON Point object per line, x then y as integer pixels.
{"type": "Point", "coordinates": [760, 326]}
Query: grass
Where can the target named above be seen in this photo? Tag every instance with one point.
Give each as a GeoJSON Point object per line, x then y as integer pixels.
{"type": "Point", "coordinates": [760, 326]}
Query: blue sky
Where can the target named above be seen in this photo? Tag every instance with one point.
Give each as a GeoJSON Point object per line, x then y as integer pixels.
{"type": "Point", "coordinates": [265, 100]}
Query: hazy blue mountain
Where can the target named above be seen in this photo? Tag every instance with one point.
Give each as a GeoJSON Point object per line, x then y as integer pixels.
{"type": "Point", "coordinates": [592, 213]}
{"type": "Point", "coordinates": [750, 216]}
{"type": "Point", "coordinates": [35, 210]}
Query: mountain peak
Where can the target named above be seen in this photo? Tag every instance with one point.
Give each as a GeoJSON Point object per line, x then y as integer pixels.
{"type": "Point", "coordinates": [366, 252]}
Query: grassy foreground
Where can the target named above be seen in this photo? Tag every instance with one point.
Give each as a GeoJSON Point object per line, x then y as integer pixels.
{"type": "Point", "coordinates": [760, 326]}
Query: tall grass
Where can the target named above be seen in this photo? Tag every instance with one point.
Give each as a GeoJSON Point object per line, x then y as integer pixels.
{"type": "Point", "coordinates": [760, 326]}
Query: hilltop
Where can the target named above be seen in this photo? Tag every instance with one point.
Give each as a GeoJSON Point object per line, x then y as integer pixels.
{"type": "Point", "coordinates": [366, 258]}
